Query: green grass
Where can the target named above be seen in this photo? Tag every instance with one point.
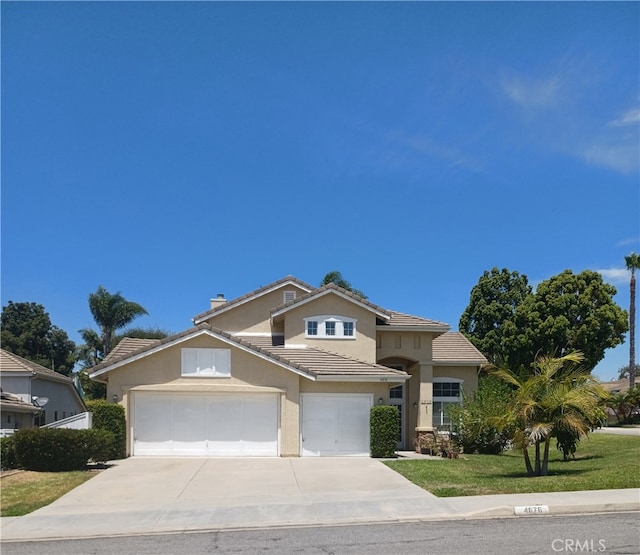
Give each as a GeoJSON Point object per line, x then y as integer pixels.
{"type": "Point", "coordinates": [24, 492]}
{"type": "Point", "coordinates": [602, 461]}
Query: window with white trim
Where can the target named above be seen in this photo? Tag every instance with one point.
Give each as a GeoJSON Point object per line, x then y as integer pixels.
{"type": "Point", "coordinates": [334, 327]}
{"type": "Point", "coordinates": [210, 363]}
{"type": "Point", "coordinates": [446, 392]}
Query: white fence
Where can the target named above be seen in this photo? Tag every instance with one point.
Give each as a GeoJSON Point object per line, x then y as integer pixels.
{"type": "Point", "coordinates": [80, 421]}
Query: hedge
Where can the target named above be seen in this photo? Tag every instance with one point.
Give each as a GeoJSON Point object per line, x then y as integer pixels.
{"type": "Point", "coordinates": [60, 449]}
{"type": "Point", "coordinates": [384, 424]}
{"type": "Point", "coordinates": [110, 417]}
{"type": "Point", "coordinates": [8, 453]}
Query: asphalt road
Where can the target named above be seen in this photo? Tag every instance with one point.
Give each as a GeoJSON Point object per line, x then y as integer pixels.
{"type": "Point", "coordinates": [604, 533]}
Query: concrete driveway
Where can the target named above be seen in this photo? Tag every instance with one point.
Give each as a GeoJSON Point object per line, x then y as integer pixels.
{"type": "Point", "coordinates": [148, 495]}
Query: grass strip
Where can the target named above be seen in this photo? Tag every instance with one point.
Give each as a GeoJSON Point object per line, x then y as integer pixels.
{"type": "Point", "coordinates": [602, 462]}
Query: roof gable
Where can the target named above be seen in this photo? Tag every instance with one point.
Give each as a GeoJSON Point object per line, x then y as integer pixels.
{"type": "Point", "coordinates": [10, 362]}
{"type": "Point", "coordinates": [331, 289]}
{"type": "Point", "coordinates": [230, 305]}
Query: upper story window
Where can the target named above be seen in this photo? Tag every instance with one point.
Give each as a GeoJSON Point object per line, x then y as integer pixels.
{"type": "Point", "coordinates": [335, 327]}
{"type": "Point", "coordinates": [211, 363]}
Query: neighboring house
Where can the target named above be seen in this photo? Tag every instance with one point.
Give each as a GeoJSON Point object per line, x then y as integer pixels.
{"type": "Point", "coordinates": [287, 370]}
{"type": "Point", "coordinates": [25, 384]}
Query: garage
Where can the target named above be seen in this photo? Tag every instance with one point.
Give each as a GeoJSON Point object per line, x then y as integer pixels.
{"type": "Point", "coordinates": [223, 425]}
{"type": "Point", "coordinates": [335, 425]}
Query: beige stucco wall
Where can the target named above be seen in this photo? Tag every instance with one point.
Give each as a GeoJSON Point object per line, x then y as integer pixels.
{"type": "Point", "coordinates": [247, 370]}
{"type": "Point", "coordinates": [363, 347]}
{"type": "Point", "coordinates": [253, 316]}
{"type": "Point", "coordinates": [416, 346]}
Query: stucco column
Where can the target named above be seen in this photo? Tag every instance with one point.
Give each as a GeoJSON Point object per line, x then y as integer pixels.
{"type": "Point", "coordinates": [425, 400]}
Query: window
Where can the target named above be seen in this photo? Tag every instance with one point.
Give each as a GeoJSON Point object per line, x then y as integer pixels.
{"type": "Point", "coordinates": [446, 392]}
{"type": "Point", "coordinates": [446, 389]}
{"type": "Point", "coordinates": [335, 327]}
{"type": "Point", "coordinates": [211, 363]}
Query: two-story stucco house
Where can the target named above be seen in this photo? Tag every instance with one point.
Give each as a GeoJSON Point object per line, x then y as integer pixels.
{"type": "Point", "coordinates": [287, 370]}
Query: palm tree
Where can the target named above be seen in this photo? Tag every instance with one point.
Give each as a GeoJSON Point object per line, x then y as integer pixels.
{"type": "Point", "coordinates": [633, 263]}
{"type": "Point", "coordinates": [111, 312]}
{"type": "Point", "coordinates": [560, 397]}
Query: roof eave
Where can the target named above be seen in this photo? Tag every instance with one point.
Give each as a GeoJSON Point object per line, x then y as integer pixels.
{"type": "Point", "coordinates": [362, 378]}
{"type": "Point", "coordinates": [432, 328]}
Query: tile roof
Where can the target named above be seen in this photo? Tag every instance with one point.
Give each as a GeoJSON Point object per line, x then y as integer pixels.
{"type": "Point", "coordinates": [128, 345]}
{"type": "Point", "coordinates": [10, 362]}
{"type": "Point", "coordinates": [400, 319]}
{"type": "Point", "coordinates": [255, 293]}
{"type": "Point", "coordinates": [324, 290]}
{"type": "Point", "coordinates": [315, 363]}
{"type": "Point", "coordinates": [454, 347]}
{"type": "Point", "coordinates": [319, 362]}
{"type": "Point", "coordinates": [9, 401]}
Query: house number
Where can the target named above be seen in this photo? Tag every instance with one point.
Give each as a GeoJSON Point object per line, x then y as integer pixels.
{"type": "Point", "coordinates": [531, 510]}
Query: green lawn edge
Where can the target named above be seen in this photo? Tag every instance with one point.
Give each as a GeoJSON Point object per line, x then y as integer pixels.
{"type": "Point", "coordinates": [602, 462]}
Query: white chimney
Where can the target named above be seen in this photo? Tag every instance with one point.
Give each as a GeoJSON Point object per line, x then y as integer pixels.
{"type": "Point", "coordinates": [218, 301]}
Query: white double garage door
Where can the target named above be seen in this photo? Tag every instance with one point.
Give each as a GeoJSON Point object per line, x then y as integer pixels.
{"type": "Point", "coordinates": [223, 425]}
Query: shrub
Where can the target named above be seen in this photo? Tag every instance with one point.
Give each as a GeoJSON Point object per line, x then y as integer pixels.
{"type": "Point", "coordinates": [60, 449]}
{"type": "Point", "coordinates": [8, 453]}
{"type": "Point", "coordinates": [110, 417]}
{"type": "Point", "coordinates": [384, 425]}
{"type": "Point", "coordinates": [472, 420]}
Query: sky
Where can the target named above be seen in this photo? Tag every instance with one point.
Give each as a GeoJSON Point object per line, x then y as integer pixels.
{"type": "Point", "coordinates": [172, 151]}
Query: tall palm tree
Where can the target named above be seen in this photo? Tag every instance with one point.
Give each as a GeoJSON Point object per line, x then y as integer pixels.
{"type": "Point", "coordinates": [112, 312]}
{"type": "Point", "coordinates": [560, 396]}
{"type": "Point", "coordinates": [633, 264]}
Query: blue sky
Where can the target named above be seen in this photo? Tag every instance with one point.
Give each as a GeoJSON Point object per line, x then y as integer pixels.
{"type": "Point", "coordinates": [173, 151]}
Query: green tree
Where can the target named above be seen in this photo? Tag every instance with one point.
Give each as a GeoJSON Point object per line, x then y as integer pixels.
{"type": "Point", "coordinates": [633, 263]}
{"type": "Point", "coordinates": [623, 373]}
{"type": "Point", "coordinates": [625, 404]}
{"type": "Point", "coordinates": [560, 396]}
{"type": "Point", "coordinates": [336, 278]}
{"type": "Point", "coordinates": [27, 331]}
{"type": "Point", "coordinates": [491, 311]}
{"type": "Point", "coordinates": [569, 312]}
{"type": "Point", "coordinates": [111, 311]}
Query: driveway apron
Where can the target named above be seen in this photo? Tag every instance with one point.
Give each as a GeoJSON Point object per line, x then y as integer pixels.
{"type": "Point", "coordinates": [143, 495]}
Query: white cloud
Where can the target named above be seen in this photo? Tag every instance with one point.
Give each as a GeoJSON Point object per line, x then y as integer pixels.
{"type": "Point", "coordinates": [630, 117]}
{"type": "Point", "coordinates": [615, 275]}
{"type": "Point", "coordinates": [629, 241]}
{"type": "Point", "coordinates": [622, 157]}
{"type": "Point", "coordinates": [530, 93]}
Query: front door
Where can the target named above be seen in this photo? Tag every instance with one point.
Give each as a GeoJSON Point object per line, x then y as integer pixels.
{"type": "Point", "coordinates": [396, 399]}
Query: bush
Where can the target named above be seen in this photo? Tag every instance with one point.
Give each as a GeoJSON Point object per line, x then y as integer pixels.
{"type": "Point", "coordinates": [110, 417]}
{"type": "Point", "coordinates": [60, 449]}
{"type": "Point", "coordinates": [471, 420]}
{"type": "Point", "coordinates": [8, 453]}
{"type": "Point", "coordinates": [384, 424]}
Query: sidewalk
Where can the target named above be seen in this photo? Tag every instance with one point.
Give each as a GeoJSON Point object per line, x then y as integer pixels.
{"type": "Point", "coordinates": [159, 495]}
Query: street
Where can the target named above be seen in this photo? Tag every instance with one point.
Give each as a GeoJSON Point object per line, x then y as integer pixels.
{"type": "Point", "coordinates": [601, 533]}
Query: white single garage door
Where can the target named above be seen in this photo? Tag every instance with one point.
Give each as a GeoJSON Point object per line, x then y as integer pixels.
{"type": "Point", "coordinates": [335, 424]}
{"type": "Point", "coordinates": [205, 425]}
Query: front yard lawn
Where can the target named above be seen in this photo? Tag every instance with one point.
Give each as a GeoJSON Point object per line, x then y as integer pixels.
{"type": "Point", "coordinates": [602, 461]}
{"type": "Point", "coordinates": [24, 492]}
